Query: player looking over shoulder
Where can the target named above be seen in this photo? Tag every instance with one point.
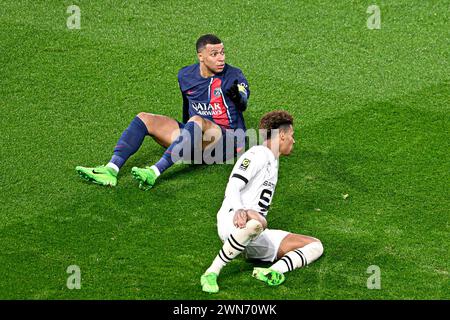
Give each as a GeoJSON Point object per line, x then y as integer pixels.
{"type": "Point", "coordinates": [241, 221]}
{"type": "Point", "coordinates": [214, 96]}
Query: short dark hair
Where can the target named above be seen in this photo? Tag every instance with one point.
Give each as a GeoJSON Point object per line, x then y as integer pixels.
{"type": "Point", "coordinates": [278, 119]}
{"type": "Point", "coordinates": [206, 39]}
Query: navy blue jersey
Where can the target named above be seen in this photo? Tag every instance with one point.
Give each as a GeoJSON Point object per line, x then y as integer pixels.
{"type": "Point", "coordinates": [207, 98]}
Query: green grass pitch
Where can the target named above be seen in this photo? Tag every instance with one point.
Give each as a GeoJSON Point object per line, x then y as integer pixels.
{"type": "Point", "coordinates": [372, 121]}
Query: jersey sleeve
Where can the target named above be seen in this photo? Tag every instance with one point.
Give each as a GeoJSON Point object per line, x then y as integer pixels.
{"type": "Point", "coordinates": [244, 91]}
{"type": "Point", "coordinates": [243, 86]}
{"type": "Point", "coordinates": [233, 193]}
{"type": "Point", "coordinates": [248, 166]}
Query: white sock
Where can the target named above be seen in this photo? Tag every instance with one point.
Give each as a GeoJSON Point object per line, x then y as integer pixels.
{"type": "Point", "coordinates": [235, 244]}
{"type": "Point", "coordinates": [299, 257]}
{"type": "Point", "coordinates": [156, 170]}
{"type": "Point", "coordinates": [113, 166]}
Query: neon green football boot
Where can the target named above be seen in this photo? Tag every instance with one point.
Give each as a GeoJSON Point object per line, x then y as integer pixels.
{"type": "Point", "coordinates": [209, 282]}
{"type": "Point", "coordinates": [269, 276]}
{"type": "Point", "coordinates": [102, 175]}
{"type": "Point", "coordinates": [146, 177]}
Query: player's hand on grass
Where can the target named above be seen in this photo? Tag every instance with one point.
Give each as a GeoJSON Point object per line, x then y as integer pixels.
{"type": "Point", "coordinates": [240, 218]}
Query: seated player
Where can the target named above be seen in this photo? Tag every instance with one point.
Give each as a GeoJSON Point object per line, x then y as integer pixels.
{"type": "Point", "coordinates": [241, 221]}
{"type": "Point", "coordinates": [205, 109]}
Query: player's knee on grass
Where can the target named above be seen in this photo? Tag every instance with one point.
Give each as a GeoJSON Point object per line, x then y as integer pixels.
{"type": "Point", "coordinates": [317, 247]}
{"type": "Point", "coordinates": [313, 251]}
{"type": "Point", "coordinates": [147, 119]}
{"type": "Point", "coordinates": [296, 241]}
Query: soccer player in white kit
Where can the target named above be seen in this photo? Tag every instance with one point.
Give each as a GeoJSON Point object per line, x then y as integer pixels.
{"type": "Point", "coordinates": [241, 221]}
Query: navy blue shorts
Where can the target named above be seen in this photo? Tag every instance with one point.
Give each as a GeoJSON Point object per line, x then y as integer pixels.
{"type": "Point", "coordinates": [227, 139]}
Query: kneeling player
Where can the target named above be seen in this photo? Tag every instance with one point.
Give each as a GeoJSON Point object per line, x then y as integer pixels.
{"type": "Point", "coordinates": [241, 221]}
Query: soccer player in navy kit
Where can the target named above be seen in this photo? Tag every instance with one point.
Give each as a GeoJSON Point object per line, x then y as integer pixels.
{"type": "Point", "coordinates": [214, 96]}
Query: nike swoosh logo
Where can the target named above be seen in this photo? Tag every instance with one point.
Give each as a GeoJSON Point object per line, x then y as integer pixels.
{"type": "Point", "coordinates": [95, 172]}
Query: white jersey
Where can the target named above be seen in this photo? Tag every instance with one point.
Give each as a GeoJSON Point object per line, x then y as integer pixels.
{"type": "Point", "coordinates": [258, 168]}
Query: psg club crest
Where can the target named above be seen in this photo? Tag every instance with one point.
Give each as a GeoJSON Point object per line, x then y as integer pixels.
{"type": "Point", "coordinates": [217, 92]}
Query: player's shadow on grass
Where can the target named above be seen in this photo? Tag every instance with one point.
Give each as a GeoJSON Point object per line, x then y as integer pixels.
{"type": "Point", "coordinates": [336, 165]}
